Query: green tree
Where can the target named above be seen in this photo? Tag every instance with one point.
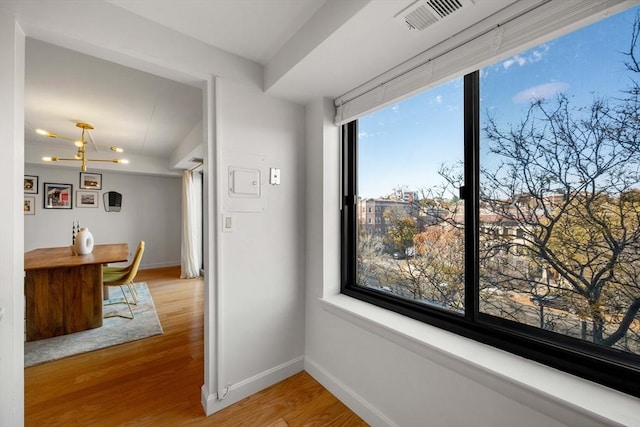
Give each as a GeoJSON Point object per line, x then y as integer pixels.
{"type": "Point", "coordinates": [401, 228]}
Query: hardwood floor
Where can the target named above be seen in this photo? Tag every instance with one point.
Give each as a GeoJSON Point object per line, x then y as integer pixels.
{"type": "Point", "coordinates": [156, 381]}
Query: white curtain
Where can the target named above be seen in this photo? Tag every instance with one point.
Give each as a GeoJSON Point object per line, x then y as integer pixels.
{"type": "Point", "coordinates": [191, 226]}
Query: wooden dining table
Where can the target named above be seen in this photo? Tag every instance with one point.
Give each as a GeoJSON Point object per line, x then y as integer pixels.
{"type": "Point", "coordinates": [63, 291]}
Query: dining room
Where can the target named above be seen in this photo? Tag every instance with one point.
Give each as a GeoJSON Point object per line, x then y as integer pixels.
{"type": "Point", "coordinates": [115, 141]}
{"type": "Point", "coordinates": [92, 166]}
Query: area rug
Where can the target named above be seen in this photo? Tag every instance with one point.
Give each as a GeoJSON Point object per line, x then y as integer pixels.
{"type": "Point", "coordinates": [115, 330]}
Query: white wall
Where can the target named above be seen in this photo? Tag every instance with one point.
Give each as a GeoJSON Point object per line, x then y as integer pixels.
{"type": "Point", "coordinates": [393, 370]}
{"type": "Point", "coordinates": [261, 287]}
{"type": "Point", "coordinates": [261, 311]}
{"type": "Point", "coordinates": [11, 248]}
{"type": "Point", "coordinates": [151, 211]}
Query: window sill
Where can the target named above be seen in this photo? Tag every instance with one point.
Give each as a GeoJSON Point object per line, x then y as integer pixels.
{"type": "Point", "coordinates": [555, 393]}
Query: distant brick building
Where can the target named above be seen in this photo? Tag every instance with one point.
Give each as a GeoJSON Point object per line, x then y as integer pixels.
{"type": "Point", "coordinates": [405, 195]}
{"type": "Point", "coordinates": [371, 212]}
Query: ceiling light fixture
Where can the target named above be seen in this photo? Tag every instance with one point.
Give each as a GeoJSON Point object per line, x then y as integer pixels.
{"type": "Point", "coordinates": [81, 154]}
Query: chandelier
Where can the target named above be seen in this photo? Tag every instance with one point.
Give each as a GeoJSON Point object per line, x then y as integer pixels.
{"type": "Point", "coordinates": [81, 145]}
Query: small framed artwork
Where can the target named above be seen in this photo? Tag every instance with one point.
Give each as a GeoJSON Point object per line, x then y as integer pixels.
{"type": "Point", "coordinates": [90, 181]}
{"type": "Point", "coordinates": [58, 196]}
{"type": "Point", "coordinates": [86, 199]}
{"type": "Point", "coordinates": [31, 184]}
{"type": "Point", "coordinates": [29, 205]}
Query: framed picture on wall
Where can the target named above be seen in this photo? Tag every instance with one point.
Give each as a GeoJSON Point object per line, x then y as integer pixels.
{"type": "Point", "coordinates": [90, 181]}
{"type": "Point", "coordinates": [86, 199]}
{"type": "Point", "coordinates": [29, 205]}
{"type": "Point", "coordinates": [31, 184]}
{"type": "Point", "coordinates": [58, 196]}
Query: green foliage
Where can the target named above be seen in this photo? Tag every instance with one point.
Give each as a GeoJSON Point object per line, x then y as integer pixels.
{"type": "Point", "coordinates": [401, 230]}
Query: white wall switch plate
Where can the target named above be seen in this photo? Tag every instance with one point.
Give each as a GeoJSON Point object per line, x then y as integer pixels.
{"type": "Point", "coordinates": [227, 223]}
{"type": "Point", "coordinates": [274, 177]}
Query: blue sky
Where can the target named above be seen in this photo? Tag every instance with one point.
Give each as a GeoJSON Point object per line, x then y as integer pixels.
{"type": "Point", "coordinates": [405, 143]}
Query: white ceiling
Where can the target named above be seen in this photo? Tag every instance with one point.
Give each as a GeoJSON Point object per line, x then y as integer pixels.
{"type": "Point", "coordinates": [143, 113]}
{"type": "Point", "coordinates": [252, 29]}
{"type": "Point", "coordinates": [304, 48]}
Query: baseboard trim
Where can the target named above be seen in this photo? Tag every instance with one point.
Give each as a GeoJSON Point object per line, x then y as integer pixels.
{"type": "Point", "coordinates": [346, 395]}
{"type": "Point", "coordinates": [159, 265]}
{"type": "Point", "coordinates": [252, 385]}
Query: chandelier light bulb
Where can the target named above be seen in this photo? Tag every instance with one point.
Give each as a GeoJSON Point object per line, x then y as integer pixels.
{"type": "Point", "coordinates": [46, 133]}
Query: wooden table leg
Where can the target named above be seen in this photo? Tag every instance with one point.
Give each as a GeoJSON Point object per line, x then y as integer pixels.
{"type": "Point", "coordinates": [83, 298]}
{"type": "Point", "coordinates": [63, 301]}
{"type": "Point", "coordinates": [44, 296]}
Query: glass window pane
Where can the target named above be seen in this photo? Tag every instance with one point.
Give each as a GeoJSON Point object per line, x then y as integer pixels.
{"type": "Point", "coordinates": [410, 235]}
{"type": "Point", "coordinates": [560, 186]}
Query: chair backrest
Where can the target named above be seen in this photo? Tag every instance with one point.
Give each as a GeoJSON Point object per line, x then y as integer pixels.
{"type": "Point", "coordinates": [133, 269]}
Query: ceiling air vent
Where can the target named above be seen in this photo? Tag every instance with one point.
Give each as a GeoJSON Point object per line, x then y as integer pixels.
{"type": "Point", "coordinates": [196, 160]}
{"type": "Point", "coordinates": [422, 13]}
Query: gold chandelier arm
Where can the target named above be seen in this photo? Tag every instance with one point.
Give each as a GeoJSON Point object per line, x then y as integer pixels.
{"type": "Point", "coordinates": [64, 137]}
{"type": "Point", "coordinates": [55, 159]}
{"type": "Point", "coordinates": [53, 135]}
{"type": "Point", "coordinates": [108, 160]}
{"type": "Point", "coordinates": [81, 146]}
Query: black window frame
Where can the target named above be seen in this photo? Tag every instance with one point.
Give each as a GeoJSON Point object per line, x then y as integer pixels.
{"type": "Point", "coordinates": [609, 367]}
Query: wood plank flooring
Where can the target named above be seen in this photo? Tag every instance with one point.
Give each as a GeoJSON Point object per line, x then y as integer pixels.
{"type": "Point", "coordinates": [156, 381]}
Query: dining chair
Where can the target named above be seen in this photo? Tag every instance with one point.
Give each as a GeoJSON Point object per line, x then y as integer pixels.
{"type": "Point", "coordinates": [123, 276]}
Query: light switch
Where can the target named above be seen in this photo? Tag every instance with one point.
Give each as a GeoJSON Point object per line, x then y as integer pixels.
{"type": "Point", "coordinates": [274, 178]}
{"type": "Point", "coordinates": [227, 223]}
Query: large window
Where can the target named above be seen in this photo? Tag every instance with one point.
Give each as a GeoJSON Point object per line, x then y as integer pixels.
{"type": "Point", "coordinates": [505, 205]}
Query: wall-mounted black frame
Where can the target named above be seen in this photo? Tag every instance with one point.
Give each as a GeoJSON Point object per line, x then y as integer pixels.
{"type": "Point", "coordinates": [112, 201]}
{"type": "Point", "coordinates": [57, 196]}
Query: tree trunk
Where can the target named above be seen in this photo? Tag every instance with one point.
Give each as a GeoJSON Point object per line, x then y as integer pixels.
{"type": "Point", "coordinates": [597, 322]}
